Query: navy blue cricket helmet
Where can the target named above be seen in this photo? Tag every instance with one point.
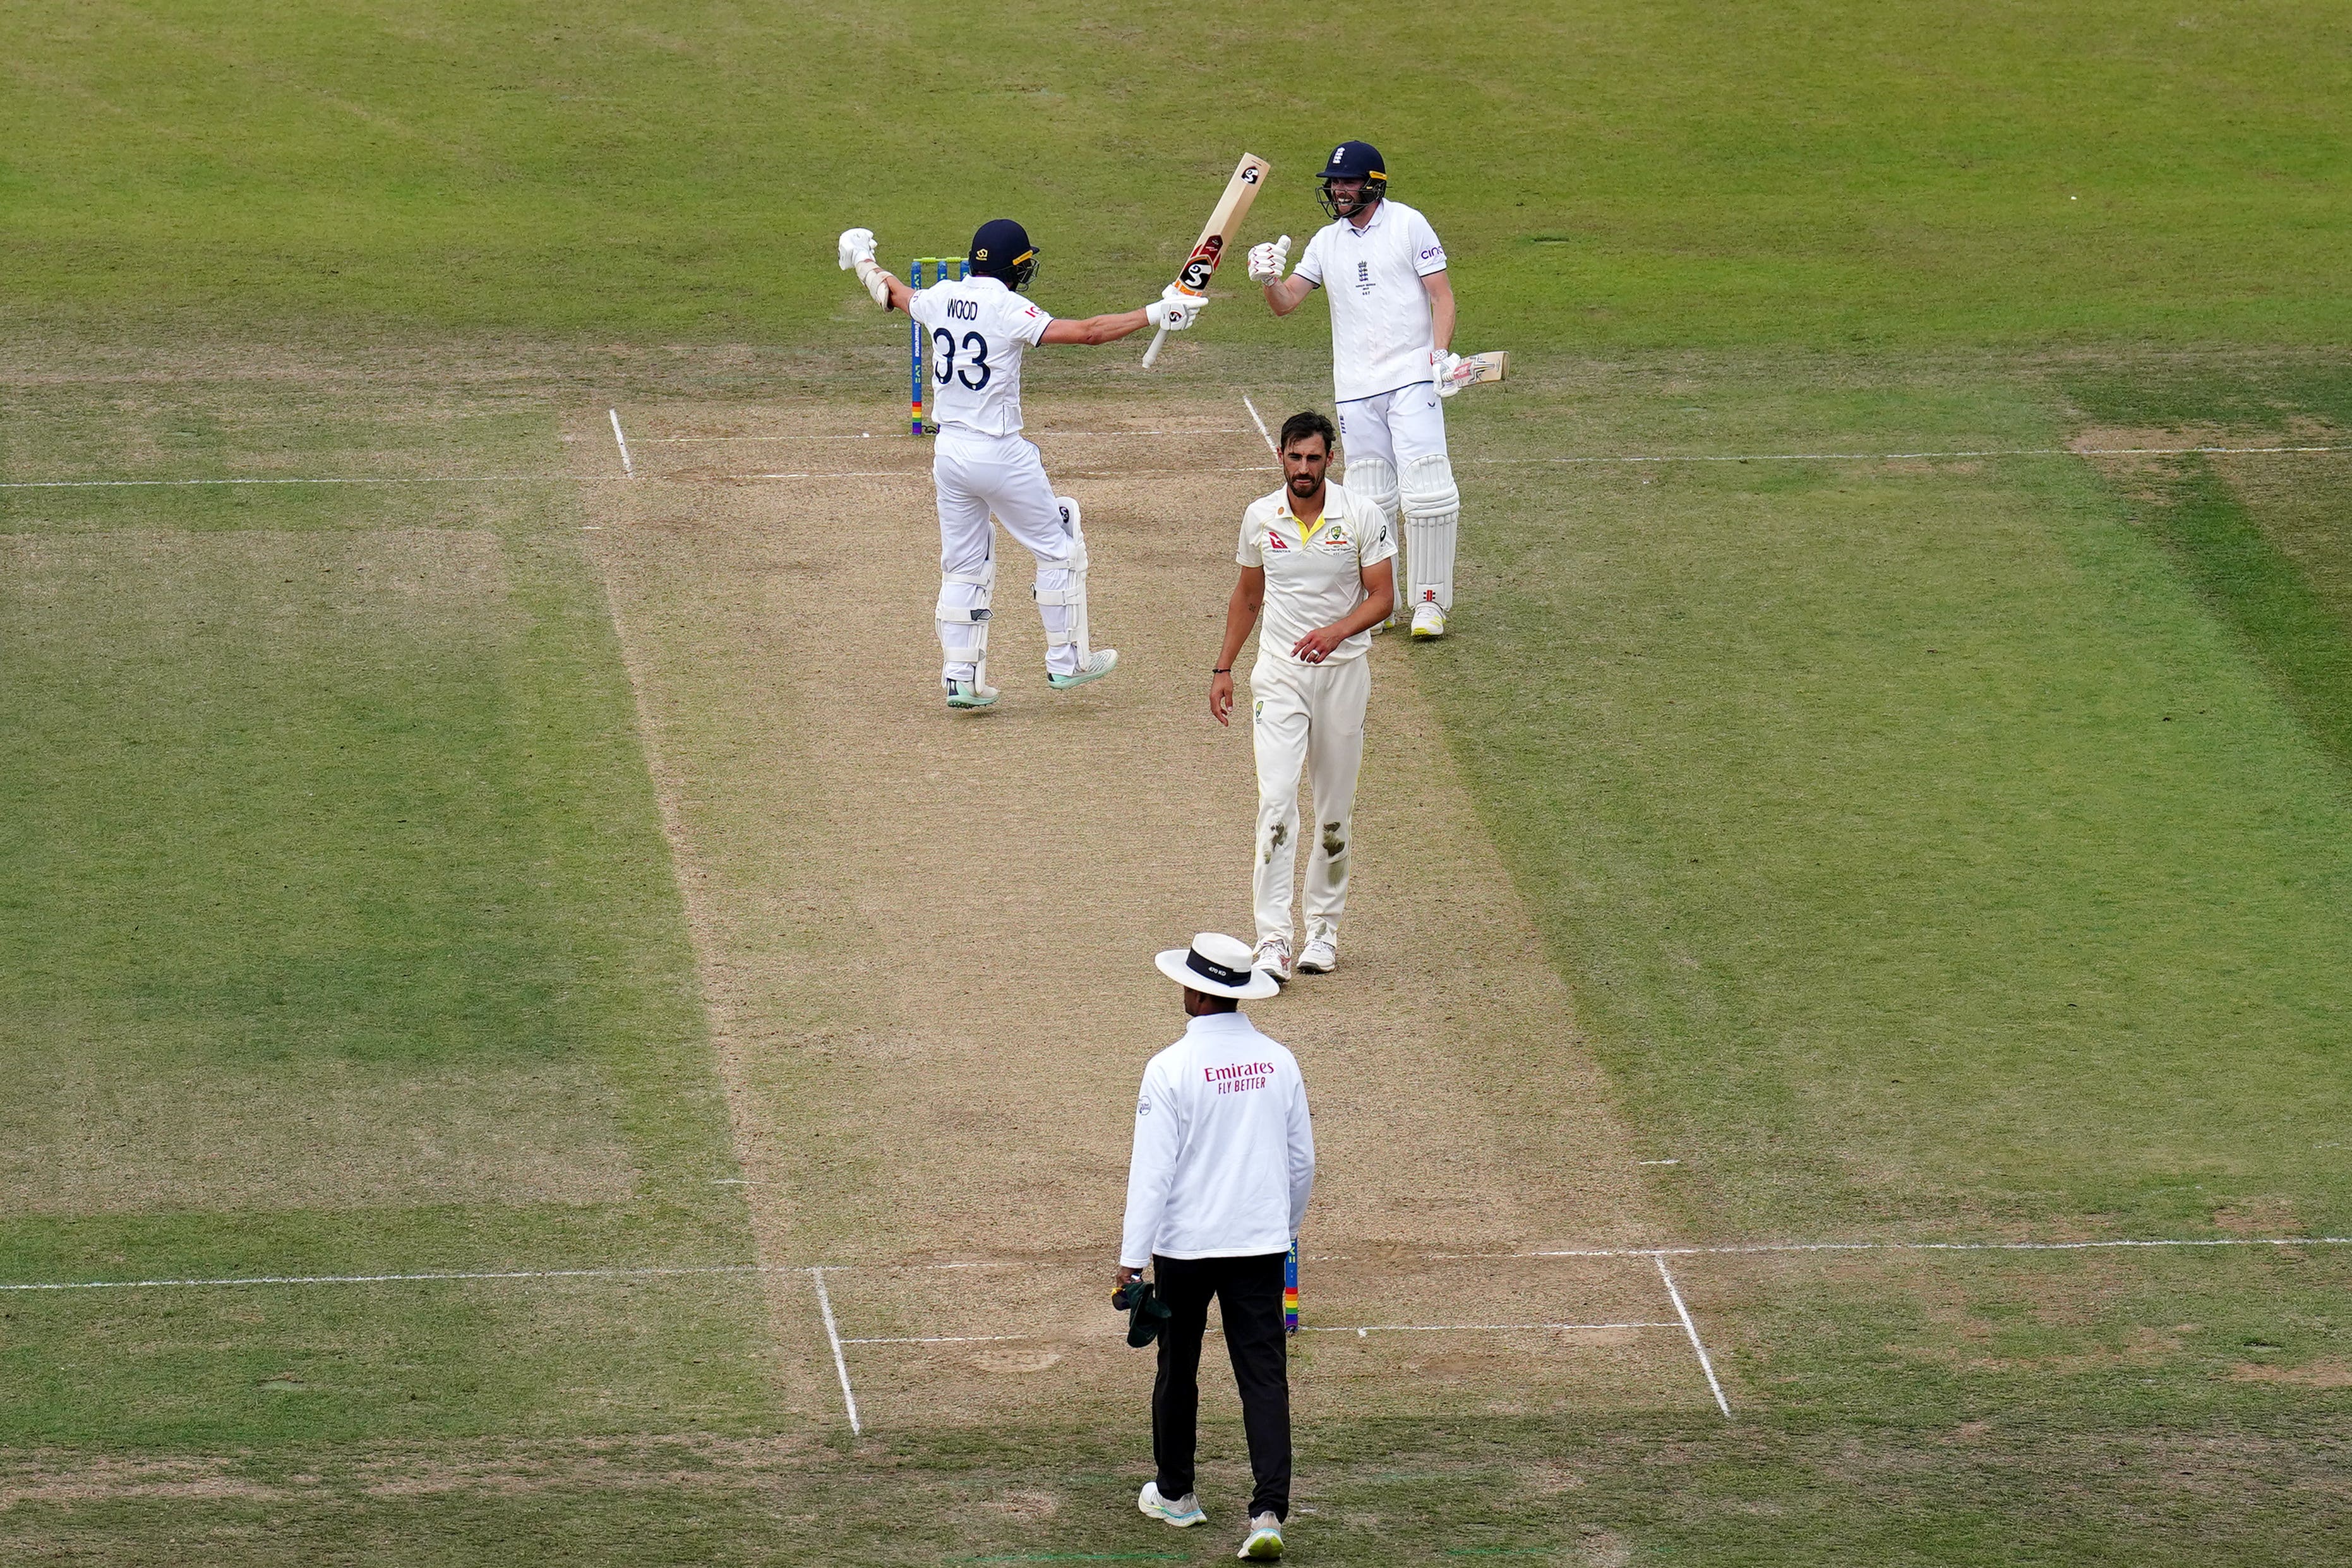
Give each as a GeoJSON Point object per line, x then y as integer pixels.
{"type": "Point", "coordinates": [1354, 161]}
{"type": "Point", "coordinates": [1001, 249]}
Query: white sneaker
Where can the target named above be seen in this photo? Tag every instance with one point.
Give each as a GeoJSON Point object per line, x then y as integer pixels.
{"type": "Point", "coordinates": [1317, 958]}
{"type": "Point", "coordinates": [1100, 663]}
{"type": "Point", "coordinates": [1273, 956]}
{"type": "Point", "coordinates": [1428, 620]}
{"type": "Point", "coordinates": [1184, 1512]}
{"type": "Point", "coordinates": [1264, 1542]}
{"type": "Point", "coordinates": [969, 694]}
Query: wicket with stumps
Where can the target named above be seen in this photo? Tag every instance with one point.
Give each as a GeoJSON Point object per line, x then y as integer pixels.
{"type": "Point", "coordinates": [918, 420]}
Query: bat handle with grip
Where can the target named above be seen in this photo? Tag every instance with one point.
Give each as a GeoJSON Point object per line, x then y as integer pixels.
{"type": "Point", "coordinates": [1153, 352]}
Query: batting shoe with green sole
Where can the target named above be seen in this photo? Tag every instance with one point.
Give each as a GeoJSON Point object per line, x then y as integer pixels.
{"type": "Point", "coordinates": [1264, 1542]}
{"type": "Point", "coordinates": [1100, 663]}
{"type": "Point", "coordinates": [963, 694]}
{"type": "Point", "coordinates": [1428, 620]}
{"type": "Point", "coordinates": [1184, 1512]}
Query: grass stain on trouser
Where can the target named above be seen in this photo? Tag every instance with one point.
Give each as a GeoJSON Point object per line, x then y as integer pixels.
{"type": "Point", "coordinates": [1309, 727]}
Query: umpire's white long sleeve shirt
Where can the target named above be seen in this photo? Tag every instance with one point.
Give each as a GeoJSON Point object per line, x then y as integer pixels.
{"type": "Point", "coordinates": [1224, 1157]}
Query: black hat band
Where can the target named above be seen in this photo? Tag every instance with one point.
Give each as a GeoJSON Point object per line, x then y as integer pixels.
{"type": "Point", "coordinates": [1209, 968]}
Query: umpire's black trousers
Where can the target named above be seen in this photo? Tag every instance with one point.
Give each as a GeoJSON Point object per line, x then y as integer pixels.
{"type": "Point", "coordinates": [1249, 1298]}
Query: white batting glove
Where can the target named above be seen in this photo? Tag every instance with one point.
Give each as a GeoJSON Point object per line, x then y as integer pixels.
{"type": "Point", "coordinates": [1442, 363]}
{"type": "Point", "coordinates": [1175, 310]}
{"type": "Point", "coordinates": [858, 255]}
{"type": "Point", "coordinates": [1266, 262]}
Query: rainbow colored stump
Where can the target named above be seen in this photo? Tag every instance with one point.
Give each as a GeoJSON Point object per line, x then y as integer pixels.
{"type": "Point", "coordinates": [918, 387]}
{"type": "Point", "coordinates": [1290, 1290]}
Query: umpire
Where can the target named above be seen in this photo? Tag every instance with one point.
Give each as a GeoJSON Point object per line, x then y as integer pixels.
{"type": "Point", "coordinates": [1223, 1161]}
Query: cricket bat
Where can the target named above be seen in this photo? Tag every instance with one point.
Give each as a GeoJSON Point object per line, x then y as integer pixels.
{"type": "Point", "coordinates": [1476, 367]}
{"type": "Point", "coordinates": [1223, 224]}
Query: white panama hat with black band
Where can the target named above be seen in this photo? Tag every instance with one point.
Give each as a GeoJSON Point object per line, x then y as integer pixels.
{"type": "Point", "coordinates": [1218, 966]}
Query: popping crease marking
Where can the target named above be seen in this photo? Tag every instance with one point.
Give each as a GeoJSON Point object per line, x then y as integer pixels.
{"type": "Point", "coordinates": [925, 474]}
{"type": "Point", "coordinates": [1357, 1329]}
{"type": "Point", "coordinates": [1032, 433]}
{"type": "Point", "coordinates": [1906, 457]}
{"type": "Point", "coordinates": [1257, 468]}
{"type": "Point", "coordinates": [363, 479]}
{"type": "Point", "coordinates": [1732, 1250]}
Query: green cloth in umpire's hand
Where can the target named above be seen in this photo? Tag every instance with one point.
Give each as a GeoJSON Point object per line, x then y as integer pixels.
{"type": "Point", "coordinates": [1146, 1312]}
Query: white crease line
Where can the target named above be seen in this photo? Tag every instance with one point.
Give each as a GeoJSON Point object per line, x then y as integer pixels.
{"type": "Point", "coordinates": [1032, 434]}
{"type": "Point", "coordinates": [363, 479]}
{"type": "Point", "coordinates": [395, 1278]}
{"type": "Point", "coordinates": [1260, 468]}
{"type": "Point", "coordinates": [925, 474]}
{"type": "Point", "coordinates": [1906, 457]}
{"type": "Point", "coordinates": [947, 1339]}
{"type": "Point", "coordinates": [650, 1271]}
{"type": "Point", "coordinates": [627, 467]}
{"type": "Point", "coordinates": [1359, 1331]}
{"type": "Point", "coordinates": [1738, 1249]}
{"type": "Point", "coordinates": [1467, 1328]}
{"type": "Point", "coordinates": [1691, 1328]}
{"type": "Point", "coordinates": [840, 1363]}
{"type": "Point", "coordinates": [1270, 446]}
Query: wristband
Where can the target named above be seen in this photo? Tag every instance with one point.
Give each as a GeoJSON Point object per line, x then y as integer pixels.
{"type": "Point", "coordinates": [1226, 670]}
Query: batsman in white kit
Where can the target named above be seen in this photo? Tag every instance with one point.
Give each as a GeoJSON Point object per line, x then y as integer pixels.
{"type": "Point", "coordinates": [1319, 562]}
{"type": "Point", "coordinates": [1392, 320]}
{"type": "Point", "coordinates": [979, 326]}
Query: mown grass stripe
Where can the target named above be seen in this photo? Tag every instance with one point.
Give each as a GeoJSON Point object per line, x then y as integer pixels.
{"type": "Point", "coordinates": [2293, 635]}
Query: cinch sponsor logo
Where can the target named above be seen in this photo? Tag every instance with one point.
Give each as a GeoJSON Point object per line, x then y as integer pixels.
{"type": "Point", "coordinates": [1433, 250]}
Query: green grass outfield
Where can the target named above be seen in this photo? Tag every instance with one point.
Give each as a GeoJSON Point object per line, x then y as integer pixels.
{"type": "Point", "coordinates": [1657, 177]}
{"type": "Point", "coordinates": [1955, 848]}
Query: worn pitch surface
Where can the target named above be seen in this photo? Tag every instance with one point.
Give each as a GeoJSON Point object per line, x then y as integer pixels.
{"type": "Point", "coordinates": [927, 937]}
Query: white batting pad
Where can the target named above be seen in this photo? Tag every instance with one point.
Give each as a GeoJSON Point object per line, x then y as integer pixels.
{"type": "Point", "coordinates": [1061, 593]}
{"type": "Point", "coordinates": [962, 614]}
{"type": "Point", "coordinates": [1372, 479]}
{"type": "Point", "coordinates": [1433, 514]}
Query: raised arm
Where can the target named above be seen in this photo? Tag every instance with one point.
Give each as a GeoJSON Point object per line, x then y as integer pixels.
{"type": "Point", "coordinates": [1283, 295]}
{"type": "Point", "coordinates": [1171, 310]}
{"type": "Point", "coordinates": [1096, 329]}
{"type": "Point", "coordinates": [857, 254]}
{"type": "Point", "coordinates": [1288, 295]}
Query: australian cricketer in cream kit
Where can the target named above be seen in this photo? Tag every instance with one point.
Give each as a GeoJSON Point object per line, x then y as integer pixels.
{"type": "Point", "coordinates": [1318, 564]}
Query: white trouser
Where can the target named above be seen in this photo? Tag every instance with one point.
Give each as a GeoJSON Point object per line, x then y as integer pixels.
{"type": "Point", "coordinates": [979, 474]}
{"type": "Point", "coordinates": [1306, 718]}
{"type": "Point", "coordinates": [1395, 427]}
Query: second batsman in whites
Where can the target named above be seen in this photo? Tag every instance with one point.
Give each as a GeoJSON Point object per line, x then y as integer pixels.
{"type": "Point", "coordinates": [979, 326]}
{"type": "Point", "coordinates": [1320, 564]}
{"type": "Point", "coordinates": [1392, 320]}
